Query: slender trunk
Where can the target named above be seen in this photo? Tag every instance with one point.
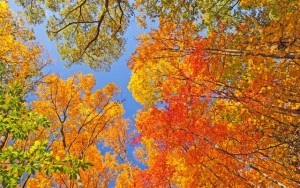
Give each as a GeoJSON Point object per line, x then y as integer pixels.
{"type": "Point", "coordinates": [79, 182]}
{"type": "Point", "coordinates": [232, 52]}
{"type": "Point", "coordinates": [3, 139]}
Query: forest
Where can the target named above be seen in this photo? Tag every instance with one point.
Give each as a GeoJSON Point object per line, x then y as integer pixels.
{"type": "Point", "coordinates": [218, 83]}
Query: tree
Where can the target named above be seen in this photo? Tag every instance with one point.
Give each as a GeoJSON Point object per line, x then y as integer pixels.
{"type": "Point", "coordinates": [202, 124]}
{"type": "Point", "coordinates": [89, 32]}
{"type": "Point", "coordinates": [214, 110]}
{"type": "Point", "coordinates": [263, 52]}
{"type": "Point", "coordinates": [81, 122]}
{"type": "Point", "coordinates": [20, 68]}
{"type": "Point", "coordinates": [16, 124]}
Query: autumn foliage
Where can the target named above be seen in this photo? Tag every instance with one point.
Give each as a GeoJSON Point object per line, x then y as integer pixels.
{"type": "Point", "coordinates": [209, 132]}
{"type": "Point", "coordinates": [218, 82]}
{"type": "Point", "coordinates": [219, 111]}
{"type": "Point", "coordinates": [80, 120]}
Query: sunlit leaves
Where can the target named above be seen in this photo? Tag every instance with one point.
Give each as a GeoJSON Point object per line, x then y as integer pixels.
{"type": "Point", "coordinates": [86, 32]}
{"type": "Point", "coordinates": [216, 106]}
{"type": "Point", "coordinates": [20, 57]}
{"type": "Point", "coordinates": [158, 57]}
{"type": "Point", "coordinates": [81, 119]}
{"type": "Point", "coordinates": [221, 109]}
{"type": "Point", "coordinates": [20, 64]}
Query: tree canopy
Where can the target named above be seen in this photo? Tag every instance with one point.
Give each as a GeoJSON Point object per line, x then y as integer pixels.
{"type": "Point", "coordinates": [218, 82]}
